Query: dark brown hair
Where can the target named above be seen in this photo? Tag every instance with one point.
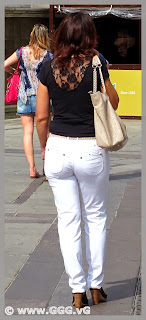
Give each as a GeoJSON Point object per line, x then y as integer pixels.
{"type": "Point", "coordinates": [76, 35]}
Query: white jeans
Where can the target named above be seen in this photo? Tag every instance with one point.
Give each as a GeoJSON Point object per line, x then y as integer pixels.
{"type": "Point", "coordinates": [78, 173]}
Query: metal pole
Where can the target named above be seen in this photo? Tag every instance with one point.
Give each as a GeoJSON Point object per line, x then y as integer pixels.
{"type": "Point", "coordinates": [51, 18]}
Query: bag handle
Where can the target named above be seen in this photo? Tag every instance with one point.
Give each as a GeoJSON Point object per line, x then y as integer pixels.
{"type": "Point", "coordinates": [18, 64]}
{"type": "Point", "coordinates": [96, 63]}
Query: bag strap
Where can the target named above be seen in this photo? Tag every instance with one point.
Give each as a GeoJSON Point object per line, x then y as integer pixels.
{"type": "Point", "coordinates": [18, 64]}
{"type": "Point", "coordinates": [96, 63]}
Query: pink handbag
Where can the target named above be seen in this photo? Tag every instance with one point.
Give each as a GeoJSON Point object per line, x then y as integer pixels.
{"type": "Point", "coordinates": [13, 85]}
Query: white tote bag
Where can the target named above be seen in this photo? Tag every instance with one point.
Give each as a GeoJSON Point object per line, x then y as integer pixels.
{"type": "Point", "coordinates": [110, 131]}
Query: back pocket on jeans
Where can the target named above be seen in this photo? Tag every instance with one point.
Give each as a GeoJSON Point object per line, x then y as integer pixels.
{"type": "Point", "coordinates": [54, 161]}
{"type": "Point", "coordinates": [92, 163]}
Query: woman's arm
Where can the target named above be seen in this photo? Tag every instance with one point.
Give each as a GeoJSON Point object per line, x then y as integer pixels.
{"type": "Point", "coordinates": [43, 115]}
{"type": "Point", "coordinates": [110, 90]}
{"type": "Point", "coordinates": [9, 62]}
{"type": "Point", "coordinates": [112, 93]}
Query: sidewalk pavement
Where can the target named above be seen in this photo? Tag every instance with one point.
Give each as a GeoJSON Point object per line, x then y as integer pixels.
{"type": "Point", "coordinates": [34, 275]}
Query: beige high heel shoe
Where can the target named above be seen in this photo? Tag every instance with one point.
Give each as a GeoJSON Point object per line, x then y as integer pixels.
{"type": "Point", "coordinates": [98, 295]}
{"type": "Point", "coordinates": [80, 300]}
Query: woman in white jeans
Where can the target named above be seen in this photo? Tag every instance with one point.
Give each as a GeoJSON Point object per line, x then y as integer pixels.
{"type": "Point", "coordinates": [76, 168]}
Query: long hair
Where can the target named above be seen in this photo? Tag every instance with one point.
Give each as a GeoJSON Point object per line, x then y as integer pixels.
{"type": "Point", "coordinates": [76, 35]}
{"type": "Point", "coordinates": [39, 40]}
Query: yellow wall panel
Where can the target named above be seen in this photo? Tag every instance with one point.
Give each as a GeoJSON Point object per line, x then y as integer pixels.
{"type": "Point", "coordinates": [128, 86]}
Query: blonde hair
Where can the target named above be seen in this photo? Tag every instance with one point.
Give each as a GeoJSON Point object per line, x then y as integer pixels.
{"type": "Point", "coordinates": [39, 40]}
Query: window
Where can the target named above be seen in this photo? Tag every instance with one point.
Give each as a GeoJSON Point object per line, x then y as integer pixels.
{"type": "Point", "coordinates": [119, 39]}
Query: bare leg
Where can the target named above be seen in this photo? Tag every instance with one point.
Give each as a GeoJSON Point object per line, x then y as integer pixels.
{"type": "Point", "coordinates": [28, 128]}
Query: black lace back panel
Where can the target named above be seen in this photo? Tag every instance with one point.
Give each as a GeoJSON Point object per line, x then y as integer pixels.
{"type": "Point", "coordinates": [69, 90]}
{"type": "Point", "coordinates": [69, 78]}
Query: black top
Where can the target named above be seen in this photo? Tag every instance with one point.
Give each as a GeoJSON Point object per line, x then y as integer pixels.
{"type": "Point", "coordinates": [72, 106]}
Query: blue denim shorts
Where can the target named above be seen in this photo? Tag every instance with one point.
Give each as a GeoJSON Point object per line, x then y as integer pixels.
{"type": "Point", "coordinates": [29, 107]}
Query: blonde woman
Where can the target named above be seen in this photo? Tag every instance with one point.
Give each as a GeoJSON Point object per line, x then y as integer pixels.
{"type": "Point", "coordinates": [31, 59]}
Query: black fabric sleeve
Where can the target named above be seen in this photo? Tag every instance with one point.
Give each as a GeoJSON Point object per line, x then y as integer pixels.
{"type": "Point", "coordinates": [104, 68]}
{"type": "Point", "coordinates": [44, 73]}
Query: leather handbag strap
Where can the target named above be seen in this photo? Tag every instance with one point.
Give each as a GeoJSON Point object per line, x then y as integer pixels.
{"type": "Point", "coordinates": [96, 63]}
